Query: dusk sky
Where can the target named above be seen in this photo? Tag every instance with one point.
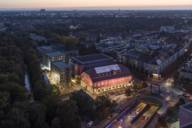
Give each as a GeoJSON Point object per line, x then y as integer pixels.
{"type": "Point", "coordinates": [92, 3]}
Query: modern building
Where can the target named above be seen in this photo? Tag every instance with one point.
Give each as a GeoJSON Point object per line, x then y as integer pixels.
{"type": "Point", "coordinates": [99, 80]}
{"type": "Point", "coordinates": [185, 116]}
{"type": "Point", "coordinates": [83, 63]}
{"type": "Point", "coordinates": [48, 58]}
{"type": "Point", "coordinates": [54, 53]}
{"type": "Point", "coordinates": [60, 73]}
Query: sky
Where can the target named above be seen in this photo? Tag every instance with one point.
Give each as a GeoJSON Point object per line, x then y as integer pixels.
{"type": "Point", "coordinates": [93, 3]}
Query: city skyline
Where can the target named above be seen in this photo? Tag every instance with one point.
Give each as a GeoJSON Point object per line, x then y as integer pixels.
{"type": "Point", "coordinates": [97, 4]}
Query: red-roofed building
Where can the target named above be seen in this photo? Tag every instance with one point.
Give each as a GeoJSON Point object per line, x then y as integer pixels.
{"type": "Point", "coordinates": [106, 78]}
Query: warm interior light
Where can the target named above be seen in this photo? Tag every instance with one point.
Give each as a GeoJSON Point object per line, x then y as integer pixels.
{"type": "Point", "coordinates": [55, 78]}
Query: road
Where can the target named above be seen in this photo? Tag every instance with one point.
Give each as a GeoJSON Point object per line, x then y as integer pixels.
{"type": "Point", "coordinates": [144, 119]}
{"type": "Point", "coordinates": [137, 117]}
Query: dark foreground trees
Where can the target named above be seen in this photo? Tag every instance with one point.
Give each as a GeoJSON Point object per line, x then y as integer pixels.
{"type": "Point", "coordinates": [96, 110]}
{"type": "Point", "coordinates": [16, 109]}
{"type": "Point", "coordinates": [45, 109]}
{"type": "Point", "coordinates": [66, 116]}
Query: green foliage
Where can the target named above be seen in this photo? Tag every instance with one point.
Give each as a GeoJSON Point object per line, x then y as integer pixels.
{"type": "Point", "coordinates": [128, 92]}
{"type": "Point", "coordinates": [51, 103]}
{"type": "Point", "coordinates": [15, 119]}
{"type": "Point", "coordinates": [95, 110]}
{"type": "Point", "coordinates": [66, 116]}
{"type": "Point", "coordinates": [4, 99]}
{"type": "Point", "coordinates": [39, 89]}
{"type": "Point", "coordinates": [85, 104]}
{"type": "Point", "coordinates": [55, 90]}
{"type": "Point", "coordinates": [17, 53]}
{"type": "Point", "coordinates": [138, 85]}
{"type": "Point", "coordinates": [6, 77]}
{"type": "Point", "coordinates": [68, 41]}
{"type": "Point", "coordinates": [15, 110]}
{"type": "Point", "coordinates": [16, 92]}
{"type": "Point", "coordinates": [103, 107]}
{"type": "Point", "coordinates": [37, 115]}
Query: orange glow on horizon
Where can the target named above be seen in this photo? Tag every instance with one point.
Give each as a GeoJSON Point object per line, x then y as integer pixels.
{"type": "Point", "coordinates": [92, 3]}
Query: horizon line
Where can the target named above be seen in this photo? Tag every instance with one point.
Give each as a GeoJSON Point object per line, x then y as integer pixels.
{"type": "Point", "coordinates": [155, 7]}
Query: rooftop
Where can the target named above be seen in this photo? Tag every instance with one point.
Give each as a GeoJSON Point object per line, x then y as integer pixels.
{"type": "Point", "coordinates": [52, 54]}
{"type": "Point", "coordinates": [45, 49]}
{"type": "Point", "coordinates": [108, 68]}
{"type": "Point", "coordinates": [93, 58]}
{"type": "Point", "coordinates": [109, 72]}
{"type": "Point", "coordinates": [52, 48]}
{"type": "Point", "coordinates": [61, 65]}
{"type": "Point", "coordinates": [149, 47]}
{"type": "Point", "coordinates": [151, 56]}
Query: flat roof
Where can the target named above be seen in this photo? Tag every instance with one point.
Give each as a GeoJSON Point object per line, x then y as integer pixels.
{"type": "Point", "coordinates": [52, 48]}
{"type": "Point", "coordinates": [93, 58]}
{"type": "Point", "coordinates": [52, 54]}
{"type": "Point", "coordinates": [61, 65]}
{"type": "Point", "coordinates": [45, 49]}
{"type": "Point", "coordinates": [108, 68]}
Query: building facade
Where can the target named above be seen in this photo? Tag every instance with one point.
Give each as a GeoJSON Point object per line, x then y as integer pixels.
{"type": "Point", "coordinates": [60, 73]}
{"type": "Point", "coordinates": [83, 63]}
{"type": "Point", "coordinates": [50, 54]}
{"type": "Point", "coordinates": [108, 78]}
{"type": "Point", "coordinates": [152, 64]}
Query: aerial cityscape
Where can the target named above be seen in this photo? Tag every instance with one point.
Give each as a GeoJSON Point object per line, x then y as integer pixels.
{"type": "Point", "coordinates": [96, 64]}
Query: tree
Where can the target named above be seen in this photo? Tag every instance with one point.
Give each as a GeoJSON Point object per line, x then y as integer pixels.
{"type": "Point", "coordinates": [17, 92]}
{"type": "Point", "coordinates": [4, 99]}
{"type": "Point", "coordinates": [128, 92]}
{"type": "Point", "coordinates": [37, 115]}
{"type": "Point", "coordinates": [103, 107]}
{"type": "Point", "coordinates": [67, 116]}
{"type": "Point", "coordinates": [40, 91]}
{"type": "Point", "coordinates": [69, 41]}
{"type": "Point", "coordinates": [85, 104]}
{"type": "Point", "coordinates": [15, 119]}
{"type": "Point", "coordinates": [51, 103]}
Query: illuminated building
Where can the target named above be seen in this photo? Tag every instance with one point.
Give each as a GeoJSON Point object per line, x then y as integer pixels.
{"type": "Point", "coordinates": [83, 63]}
{"type": "Point", "coordinates": [54, 53]}
{"type": "Point", "coordinates": [60, 73]}
{"type": "Point", "coordinates": [52, 57]}
{"type": "Point", "coordinates": [185, 116]}
{"type": "Point", "coordinates": [103, 79]}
